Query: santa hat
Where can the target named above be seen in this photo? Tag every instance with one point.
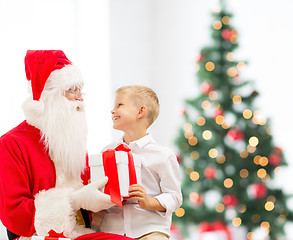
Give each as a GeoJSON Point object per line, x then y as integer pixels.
{"type": "Point", "coordinates": [50, 73]}
{"type": "Point", "coordinates": [41, 64]}
{"type": "Point", "coordinates": [38, 66]}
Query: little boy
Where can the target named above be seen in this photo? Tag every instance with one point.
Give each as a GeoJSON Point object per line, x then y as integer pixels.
{"type": "Point", "coordinates": [148, 214]}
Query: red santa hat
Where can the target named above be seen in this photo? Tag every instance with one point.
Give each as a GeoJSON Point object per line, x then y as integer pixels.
{"type": "Point", "coordinates": [50, 73]}
{"type": "Point", "coordinates": [38, 66]}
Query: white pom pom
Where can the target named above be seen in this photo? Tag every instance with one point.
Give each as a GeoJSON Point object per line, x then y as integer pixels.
{"type": "Point", "coordinates": [32, 110]}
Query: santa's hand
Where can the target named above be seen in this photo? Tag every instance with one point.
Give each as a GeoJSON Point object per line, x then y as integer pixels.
{"type": "Point", "coordinates": [89, 197]}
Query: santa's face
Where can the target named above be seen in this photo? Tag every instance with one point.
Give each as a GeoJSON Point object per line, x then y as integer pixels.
{"type": "Point", "coordinates": [74, 94]}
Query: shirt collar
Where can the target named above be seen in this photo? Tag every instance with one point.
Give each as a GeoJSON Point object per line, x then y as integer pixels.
{"type": "Point", "coordinates": [140, 142]}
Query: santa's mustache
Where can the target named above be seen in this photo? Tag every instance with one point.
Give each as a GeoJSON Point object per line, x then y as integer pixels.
{"type": "Point", "coordinates": [78, 106]}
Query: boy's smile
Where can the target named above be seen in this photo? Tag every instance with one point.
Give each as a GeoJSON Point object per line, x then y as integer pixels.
{"type": "Point", "coordinates": [115, 118]}
{"type": "Point", "coordinates": [124, 113]}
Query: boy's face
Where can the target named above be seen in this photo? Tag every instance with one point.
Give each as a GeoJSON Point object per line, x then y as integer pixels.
{"type": "Point", "coordinates": [124, 113]}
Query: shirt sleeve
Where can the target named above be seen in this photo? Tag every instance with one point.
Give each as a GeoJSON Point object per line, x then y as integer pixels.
{"type": "Point", "coordinates": [16, 201]}
{"type": "Point", "coordinates": [170, 184]}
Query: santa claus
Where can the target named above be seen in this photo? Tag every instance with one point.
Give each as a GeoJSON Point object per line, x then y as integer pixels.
{"type": "Point", "coordinates": [44, 171]}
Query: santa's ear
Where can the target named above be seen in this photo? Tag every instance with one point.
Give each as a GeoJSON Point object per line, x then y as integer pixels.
{"type": "Point", "coordinates": [142, 111]}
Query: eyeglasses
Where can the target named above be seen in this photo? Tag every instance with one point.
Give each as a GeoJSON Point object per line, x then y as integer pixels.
{"type": "Point", "coordinates": [76, 92]}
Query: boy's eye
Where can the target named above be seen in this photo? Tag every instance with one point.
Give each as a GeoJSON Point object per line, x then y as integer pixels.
{"type": "Point", "coordinates": [119, 104]}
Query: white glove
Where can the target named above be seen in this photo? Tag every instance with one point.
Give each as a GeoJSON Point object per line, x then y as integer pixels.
{"type": "Point", "coordinates": [89, 197]}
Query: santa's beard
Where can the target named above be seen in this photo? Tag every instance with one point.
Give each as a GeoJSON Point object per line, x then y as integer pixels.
{"type": "Point", "coordinates": [64, 131]}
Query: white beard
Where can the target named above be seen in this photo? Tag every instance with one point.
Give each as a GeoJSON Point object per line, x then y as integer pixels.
{"type": "Point", "coordinates": [64, 131]}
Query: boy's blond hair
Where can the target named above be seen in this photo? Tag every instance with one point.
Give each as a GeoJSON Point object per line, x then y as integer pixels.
{"type": "Point", "coordinates": [143, 95]}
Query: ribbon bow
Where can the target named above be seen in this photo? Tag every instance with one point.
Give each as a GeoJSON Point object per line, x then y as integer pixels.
{"type": "Point", "coordinates": [53, 235]}
{"type": "Point", "coordinates": [216, 226]}
{"type": "Point", "coordinates": [110, 167]}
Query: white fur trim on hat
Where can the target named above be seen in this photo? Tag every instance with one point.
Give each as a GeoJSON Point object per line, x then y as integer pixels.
{"type": "Point", "coordinates": [62, 79]}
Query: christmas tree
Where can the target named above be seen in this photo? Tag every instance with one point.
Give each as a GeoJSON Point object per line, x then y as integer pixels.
{"type": "Point", "coordinates": [228, 157]}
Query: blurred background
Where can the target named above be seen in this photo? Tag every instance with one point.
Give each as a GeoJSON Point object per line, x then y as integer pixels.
{"type": "Point", "coordinates": [154, 43]}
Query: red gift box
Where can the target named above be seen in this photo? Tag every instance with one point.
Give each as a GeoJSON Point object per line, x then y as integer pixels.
{"type": "Point", "coordinates": [48, 238]}
{"type": "Point", "coordinates": [121, 168]}
{"type": "Point", "coordinates": [213, 231]}
{"type": "Point", "coordinates": [52, 236]}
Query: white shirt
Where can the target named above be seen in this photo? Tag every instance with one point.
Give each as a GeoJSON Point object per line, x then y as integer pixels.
{"type": "Point", "coordinates": [160, 176]}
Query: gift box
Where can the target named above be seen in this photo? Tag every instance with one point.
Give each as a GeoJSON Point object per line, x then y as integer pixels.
{"type": "Point", "coordinates": [52, 236]}
{"type": "Point", "coordinates": [120, 166]}
{"type": "Point", "coordinates": [48, 238]}
{"type": "Point", "coordinates": [214, 235]}
{"type": "Point", "coordinates": [98, 172]}
{"type": "Point", "coordinates": [214, 231]}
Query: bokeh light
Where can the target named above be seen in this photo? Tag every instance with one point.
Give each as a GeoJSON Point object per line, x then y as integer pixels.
{"type": "Point", "coordinates": [187, 127]}
{"type": "Point", "coordinates": [228, 183]}
{"type": "Point", "coordinates": [226, 20]}
{"type": "Point", "coordinates": [247, 114]}
{"type": "Point", "coordinates": [201, 121]}
{"type": "Point", "coordinates": [253, 141]}
{"type": "Point", "coordinates": [194, 155]}
{"type": "Point", "coordinates": [232, 72]}
{"type": "Point", "coordinates": [230, 57]}
{"type": "Point", "coordinates": [217, 25]}
{"type": "Point", "coordinates": [261, 173]}
{"type": "Point", "coordinates": [194, 176]}
{"type": "Point", "coordinates": [244, 154]}
{"type": "Point", "coordinates": [256, 159]}
{"type": "Point", "coordinates": [213, 153]}
{"type": "Point", "coordinates": [269, 206]}
{"type": "Point", "coordinates": [220, 119]}
{"type": "Point", "coordinates": [220, 207]}
{"type": "Point", "coordinates": [221, 159]}
{"type": "Point", "coordinates": [243, 173]}
{"type": "Point", "coordinates": [236, 222]}
{"type": "Point", "coordinates": [210, 66]}
{"type": "Point", "coordinates": [192, 141]}
{"type": "Point", "coordinates": [180, 212]}
{"type": "Point", "coordinates": [205, 104]}
{"type": "Point", "coordinates": [237, 99]}
{"type": "Point", "coordinates": [207, 135]}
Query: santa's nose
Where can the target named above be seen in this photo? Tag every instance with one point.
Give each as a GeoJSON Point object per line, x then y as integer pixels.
{"type": "Point", "coordinates": [79, 98]}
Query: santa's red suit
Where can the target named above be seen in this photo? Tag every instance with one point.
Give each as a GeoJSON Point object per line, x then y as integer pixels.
{"type": "Point", "coordinates": [25, 169]}
{"type": "Point", "coordinates": [42, 181]}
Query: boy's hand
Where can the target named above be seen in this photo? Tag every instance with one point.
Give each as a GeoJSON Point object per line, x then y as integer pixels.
{"type": "Point", "coordinates": [138, 192]}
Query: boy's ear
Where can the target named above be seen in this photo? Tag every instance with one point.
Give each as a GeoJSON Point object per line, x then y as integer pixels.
{"type": "Point", "coordinates": [142, 111]}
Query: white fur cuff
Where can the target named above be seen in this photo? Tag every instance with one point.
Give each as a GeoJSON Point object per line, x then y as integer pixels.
{"type": "Point", "coordinates": [53, 211]}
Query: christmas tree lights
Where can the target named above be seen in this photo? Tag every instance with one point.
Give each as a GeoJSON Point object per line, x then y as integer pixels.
{"type": "Point", "coordinates": [227, 153]}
